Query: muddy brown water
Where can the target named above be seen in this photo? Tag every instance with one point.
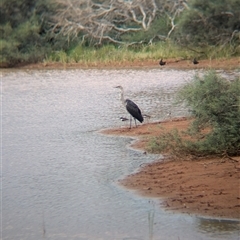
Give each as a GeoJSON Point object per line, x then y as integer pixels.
{"type": "Point", "coordinates": [59, 175]}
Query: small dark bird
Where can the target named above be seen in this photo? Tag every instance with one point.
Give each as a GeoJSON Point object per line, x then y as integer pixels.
{"type": "Point", "coordinates": [195, 61]}
{"type": "Point", "coordinates": [123, 119]}
{"type": "Point", "coordinates": [132, 108]}
{"type": "Point", "coordinates": [161, 63]}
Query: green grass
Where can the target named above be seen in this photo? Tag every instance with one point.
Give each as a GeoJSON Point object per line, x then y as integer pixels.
{"type": "Point", "coordinates": [112, 54]}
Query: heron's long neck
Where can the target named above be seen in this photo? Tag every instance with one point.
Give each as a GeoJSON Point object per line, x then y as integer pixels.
{"type": "Point", "coordinates": [122, 97]}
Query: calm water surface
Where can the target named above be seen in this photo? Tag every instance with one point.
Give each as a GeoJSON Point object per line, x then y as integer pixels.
{"type": "Point", "coordinates": [59, 175]}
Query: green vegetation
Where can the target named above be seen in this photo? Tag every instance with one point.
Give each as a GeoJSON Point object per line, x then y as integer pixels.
{"type": "Point", "coordinates": [215, 105]}
{"type": "Point", "coordinates": [115, 54]}
{"type": "Point", "coordinates": [37, 30]}
{"type": "Point", "coordinates": [20, 27]}
{"type": "Point", "coordinates": [25, 36]}
{"type": "Point", "coordinates": [210, 23]}
{"type": "Point", "coordinates": [168, 142]}
{"type": "Point", "coordinates": [111, 53]}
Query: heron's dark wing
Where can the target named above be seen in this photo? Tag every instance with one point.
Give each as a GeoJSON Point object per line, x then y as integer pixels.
{"type": "Point", "coordinates": [134, 110]}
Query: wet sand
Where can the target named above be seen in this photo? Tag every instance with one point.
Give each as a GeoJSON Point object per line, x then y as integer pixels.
{"type": "Point", "coordinates": [206, 186]}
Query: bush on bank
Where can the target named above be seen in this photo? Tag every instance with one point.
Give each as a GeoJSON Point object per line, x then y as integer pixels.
{"type": "Point", "coordinates": [215, 106]}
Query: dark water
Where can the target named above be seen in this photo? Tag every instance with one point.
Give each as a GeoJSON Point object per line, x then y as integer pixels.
{"type": "Point", "coordinates": [59, 175]}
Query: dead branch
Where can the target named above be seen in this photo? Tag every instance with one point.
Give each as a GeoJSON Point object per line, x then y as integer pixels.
{"type": "Point", "coordinates": [110, 19]}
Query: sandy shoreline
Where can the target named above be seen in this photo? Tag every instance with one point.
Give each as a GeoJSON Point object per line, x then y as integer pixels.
{"type": "Point", "coordinates": [208, 187]}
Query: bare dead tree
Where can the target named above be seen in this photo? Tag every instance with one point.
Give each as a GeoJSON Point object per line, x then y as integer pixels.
{"type": "Point", "coordinates": [174, 12]}
{"type": "Point", "coordinates": [108, 20]}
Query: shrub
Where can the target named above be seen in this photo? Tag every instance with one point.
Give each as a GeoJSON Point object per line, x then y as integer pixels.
{"type": "Point", "coordinates": [24, 37]}
{"type": "Point", "coordinates": [215, 106]}
{"type": "Point", "coordinates": [210, 23]}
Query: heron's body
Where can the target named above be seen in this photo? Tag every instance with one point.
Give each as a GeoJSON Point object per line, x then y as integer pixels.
{"type": "Point", "coordinates": [131, 107]}
{"type": "Point", "coordinates": [134, 110]}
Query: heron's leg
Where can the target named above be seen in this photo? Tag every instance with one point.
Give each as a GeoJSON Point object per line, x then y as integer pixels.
{"type": "Point", "coordinates": [135, 122]}
{"type": "Point", "coordinates": [130, 121]}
